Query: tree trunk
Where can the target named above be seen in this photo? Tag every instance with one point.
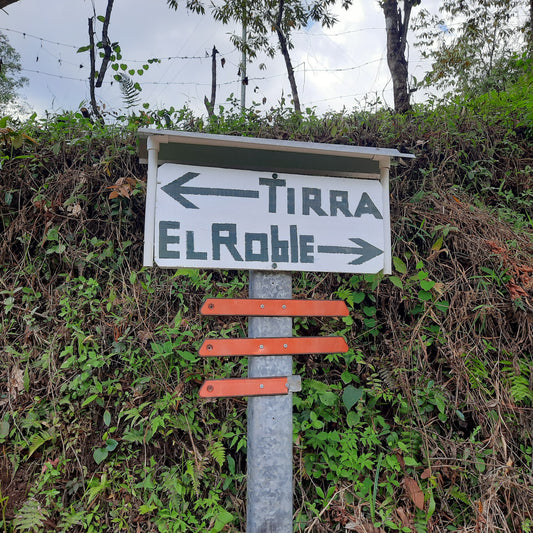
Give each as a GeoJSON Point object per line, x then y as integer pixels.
{"type": "Point", "coordinates": [92, 75]}
{"type": "Point", "coordinates": [530, 28]}
{"type": "Point", "coordinates": [396, 26]}
{"type": "Point", "coordinates": [285, 51]}
{"type": "Point", "coordinates": [210, 104]}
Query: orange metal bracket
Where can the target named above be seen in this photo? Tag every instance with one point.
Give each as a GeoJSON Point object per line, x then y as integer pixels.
{"type": "Point", "coordinates": [273, 346]}
{"type": "Point", "coordinates": [274, 307]}
{"type": "Point", "coordinates": [226, 388]}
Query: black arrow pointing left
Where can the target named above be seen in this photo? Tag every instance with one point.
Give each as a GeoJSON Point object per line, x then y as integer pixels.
{"type": "Point", "coordinates": [176, 190]}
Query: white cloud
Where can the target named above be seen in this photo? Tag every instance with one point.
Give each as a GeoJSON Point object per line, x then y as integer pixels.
{"type": "Point", "coordinates": [324, 59]}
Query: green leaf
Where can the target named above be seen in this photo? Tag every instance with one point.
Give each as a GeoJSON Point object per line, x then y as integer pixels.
{"type": "Point", "coordinates": [328, 398]}
{"type": "Point", "coordinates": [369, 311]}
{"type": "Point", "coordinates": [422, 275]}
{"type": "Point", "coordinates": [409, 461]}
{"type": "Point", "coordinates": [399, 265]}
{"type": "Point", "coordinates": [395, 280]}
{"type": "Point", "coordinates": [431, 506]}
{"type": "Point", "coordinates": [223, 517]}
{"type": "Point", "coordinates": [83, 49]}
{"type": "Point", "coordinates": [442, 306]}
{"type": "Point", "coordinates": [437, 244]}
{"type": "Point", "coordinates": [111, 445]}
{"type": "Point", "coordinates": [52, 235]}
{"type": "Point", "coordinates": [89, 400]}
{"type": "Point", "coordinates": [425, 296]}
{"type": "Point", "coordinates": [370, 322]}
{"type": "Point", "coordinates": [145, 508]}
{"type": "Point", "coordinates": [4, 429]}
{"type": "Point", "coordinates": [350, 396]}
{"type": "Point", "coordinates": [346, 377]}
{"type": "Point", "coordinates": [441, 406]}
{"type": "Point", "coordinates": [231, 464]}
{"type": "Point", "coordinates": [357, 297]}
{"type": "Point", "coordinates": [107, 418]}
{"type": "Point", "coordinates": [100, 455]}
{"type": "Point", "coordinates": [427, 284]}
{"type": "Point", "coordinates": [26, 380]}
{"type": "Point", "coordinates": [352, 418]}
{"type": "Point", "coordinates": [101, 18]}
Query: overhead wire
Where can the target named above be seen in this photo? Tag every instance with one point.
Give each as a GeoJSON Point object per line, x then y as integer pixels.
{"type": "Point", "coordinates": [302, 67]}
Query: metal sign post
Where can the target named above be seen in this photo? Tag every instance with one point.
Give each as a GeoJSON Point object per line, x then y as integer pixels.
{"type": "Point", "coordinates": [271, 207]}
{"type": "Point", "coordinates": [269, 445]}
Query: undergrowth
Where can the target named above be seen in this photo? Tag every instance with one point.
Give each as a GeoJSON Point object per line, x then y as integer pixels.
{"type": "Point", "coordinates": [424, 425]}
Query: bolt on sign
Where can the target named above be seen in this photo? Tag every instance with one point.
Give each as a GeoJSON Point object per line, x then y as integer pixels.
{"type": "Point", "coordinates": [259, 204]}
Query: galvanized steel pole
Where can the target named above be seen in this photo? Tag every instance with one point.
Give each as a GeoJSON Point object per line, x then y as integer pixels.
{"type": "Point", "coordinates": [270, 484]}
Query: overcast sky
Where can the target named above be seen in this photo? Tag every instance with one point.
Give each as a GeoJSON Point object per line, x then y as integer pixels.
{"type": "Point", "coordinates": [340, 67]}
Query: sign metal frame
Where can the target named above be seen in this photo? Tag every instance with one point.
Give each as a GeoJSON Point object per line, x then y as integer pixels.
{"type": "Point", "coordinates": [266, 155]}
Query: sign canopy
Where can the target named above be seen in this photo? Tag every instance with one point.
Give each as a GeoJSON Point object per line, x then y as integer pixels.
{"type": "Point", "coordinates": [259, 204]}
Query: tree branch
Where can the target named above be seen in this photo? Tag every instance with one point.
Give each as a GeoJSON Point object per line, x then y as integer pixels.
{"type": "Point", "coordinates": [5, 3]}
{"type": "Point", "coordinates": [106, 44]}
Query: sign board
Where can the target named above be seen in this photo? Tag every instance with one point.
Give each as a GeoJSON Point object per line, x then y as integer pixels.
{"type": "Point", "coordinates": [208, 217]}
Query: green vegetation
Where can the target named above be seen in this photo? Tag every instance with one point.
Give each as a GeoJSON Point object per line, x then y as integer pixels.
{"type": "Point", "coordinates": [424, 425]}
{"type": "Point", "coordinates": [10, 79]}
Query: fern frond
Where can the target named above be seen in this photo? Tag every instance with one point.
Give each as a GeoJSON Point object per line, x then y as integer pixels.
{"type": "Point", "coordinates": [195, 478]}
{"type": "Point", "coordinates": [37, 440]}
{"type": "Point", "coordinates": [31, 517]}
{"type": "Point", "coordinates": [218, 452]}
{"type": "Point", "coordinates": [519, 376]}
{"type": "Point", "coordinates": [129, 89]}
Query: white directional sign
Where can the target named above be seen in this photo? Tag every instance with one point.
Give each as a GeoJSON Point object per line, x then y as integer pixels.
{"type": "Point", "coordinates": [245, 219]}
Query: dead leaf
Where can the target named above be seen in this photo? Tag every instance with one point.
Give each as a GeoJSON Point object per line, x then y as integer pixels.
{"type": "Point", "coordinates": [75, 210]}
{"type": "Point", "coordinates": [426, 473]}
{"type": "Point", "coordinates": [516, 291]}
{"type": "Point", "coordinates": [406, 521]}
{"type": "Point", "coordinates": [53, 464]}
{"type": "Point", "coordinates": [122, 187]}
{"type": "Point", "coordinates": [15, 383]}
{"type": "Point", "coordinates": [414, 492]}
{"type": "Point", "coordinates": [363, 528]}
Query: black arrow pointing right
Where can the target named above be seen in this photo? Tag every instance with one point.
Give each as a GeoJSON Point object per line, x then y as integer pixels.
{"type": "Point", "coordinates": [364, 250]}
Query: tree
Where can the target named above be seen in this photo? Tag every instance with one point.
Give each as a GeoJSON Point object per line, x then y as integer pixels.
{"type": "Point", "coordinates": [262, 18]}
{"type": "Point", "coordinates": [473, 44]}
{"type": "Point", "coordinates": [111, 56]}
{"type": "Point", "coordinates": [396, 26]}
{"type": "Point", "coordinates": [10, 78]}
